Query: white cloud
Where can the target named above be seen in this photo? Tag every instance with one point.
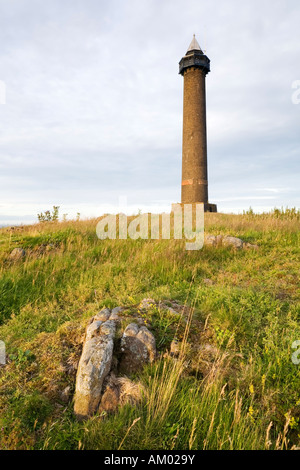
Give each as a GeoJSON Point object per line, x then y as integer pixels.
{"type": "Point", "coordinates": [94, 100]}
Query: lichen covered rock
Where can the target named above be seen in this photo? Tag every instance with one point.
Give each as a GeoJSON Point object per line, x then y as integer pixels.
{"type": "Point", "coordinates": [17, 253]}
{"type": "Point", "coordinates": [94, 366]}
{"type": "Point", "coordinates": [138, 347]}
{"type": "Point", "coordinates": [233, 241]}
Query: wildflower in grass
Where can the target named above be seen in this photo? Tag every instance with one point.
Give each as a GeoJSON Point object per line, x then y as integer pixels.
{"type": "Point", "coordinates": [263, 381]}
{"type": "Point", "coordinates": [251, 413]}
{"type": "Point", "coordinates": [293, 421]}
{"type": "Point", "coordinates": [251, 389]}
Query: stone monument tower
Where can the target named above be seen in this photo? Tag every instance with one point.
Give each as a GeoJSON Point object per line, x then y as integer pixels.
{"type": "Point", "coordinates": [194, 187]}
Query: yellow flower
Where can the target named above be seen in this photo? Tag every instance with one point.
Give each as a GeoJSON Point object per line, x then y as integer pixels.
{"type": "Point", "coordinates": [293, 423]}
{"type": "Point", "coordinates": [251, 389]}
{"type": "Point", "coordinates": [251, 413]}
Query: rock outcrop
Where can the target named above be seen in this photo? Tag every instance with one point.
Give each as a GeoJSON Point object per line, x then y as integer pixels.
{"type": "Point", "coordinates": [94, 365]}
{"type": "Point", "coordinates": [112, 354]}
{"type": "Point", "coordinates": [220, 240]}
{"type": "Point", "coordinates": [97, 386]}
{"type": "Point", "coordinates": [17, 253]}
{"type": "Point", "coordinates": [232, 241]}
{"type": "Point", "coordinates": [137, 347]}
{"type": "Point", "coordinates": [210, 240]}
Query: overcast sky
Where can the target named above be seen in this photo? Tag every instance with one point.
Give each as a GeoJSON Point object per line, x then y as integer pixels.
{"type": "Point", "coordinates": [94, 103]}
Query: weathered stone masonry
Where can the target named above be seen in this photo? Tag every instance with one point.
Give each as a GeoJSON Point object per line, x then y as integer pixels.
{"type": "Point", "coordinates": [194, 67]}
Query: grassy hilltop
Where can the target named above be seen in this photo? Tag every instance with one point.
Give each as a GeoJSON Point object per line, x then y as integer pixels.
{"type": "Point", "coordinates": [244, 305]}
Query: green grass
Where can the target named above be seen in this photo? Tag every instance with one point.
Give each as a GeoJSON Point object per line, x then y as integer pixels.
{"type": "Point", "coordinates": [250, 312]}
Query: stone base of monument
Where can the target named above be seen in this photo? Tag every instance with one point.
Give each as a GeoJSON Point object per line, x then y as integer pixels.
{"type": "Point", "coordinates": [207, 206]}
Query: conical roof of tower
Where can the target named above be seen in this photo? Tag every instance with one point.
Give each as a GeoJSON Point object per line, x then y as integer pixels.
{"type": "Point", "coordinates": [194, 45]}
{"type": "Point", "coordinates": [194, 57]}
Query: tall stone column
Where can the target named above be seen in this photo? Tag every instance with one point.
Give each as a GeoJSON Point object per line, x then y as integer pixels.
{"type": "Point", "coordinates": [194, 67]}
